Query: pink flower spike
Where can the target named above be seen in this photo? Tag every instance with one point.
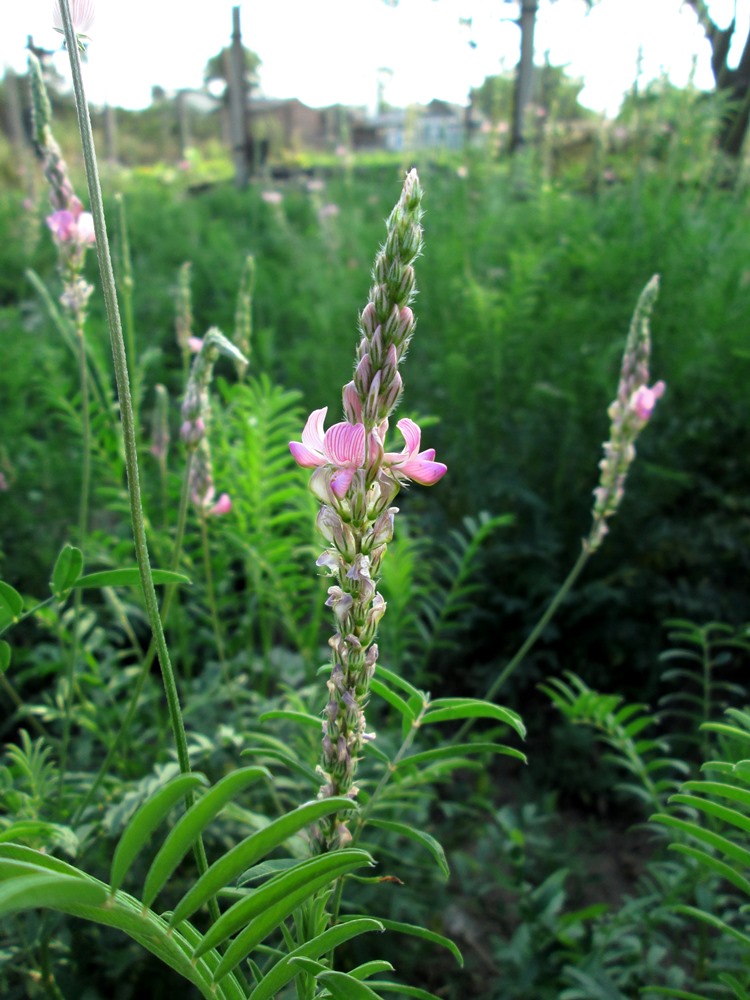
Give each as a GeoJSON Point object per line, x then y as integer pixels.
{"type": "Point", "coordinates": [195, 344]}
{"type": "Point", "coordinates": [222, 506]}
{"type": "Point", "coordinates": [61, 224]}
{"type": "Point", "coordinates": [411, 462]}
{"type": "Point", "coordinates": [643, 400]}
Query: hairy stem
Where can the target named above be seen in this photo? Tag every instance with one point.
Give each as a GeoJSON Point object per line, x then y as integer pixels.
{"type": "Point", "coordinates": [109, 291]}
{"type": "Point", "coordinates": [533, 636]}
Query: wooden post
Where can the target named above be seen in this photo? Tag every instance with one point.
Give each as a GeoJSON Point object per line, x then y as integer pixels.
{"type": "Point", "coordinates": [13, 110]}
{"type": "Point", "coordinates": [110, 133]}
{"type": "Point", "coordinates": [525, 72]}
{"type": "Point", "coordinates": [183, 122]}
{"type": "Point", "coordinates": [238, 104]}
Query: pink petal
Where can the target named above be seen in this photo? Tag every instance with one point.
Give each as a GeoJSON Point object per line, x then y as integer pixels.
{"type": "Point", "coordinates": [222, 506]}
{"type": "Point", "coordinates": [341, 481]}
{"type": "Point", "coordinates": [86, 232]}
{"type": "Point", "coordinates": [304, 457]}
{"type": "Point", "coordinates": [411, 433]}
{"type": "Point", "coordinates": [423, 472]}
{"type": "Point", "coordinates": [313, 434]}
{"type": "Point", "coordinates": [344, 444]}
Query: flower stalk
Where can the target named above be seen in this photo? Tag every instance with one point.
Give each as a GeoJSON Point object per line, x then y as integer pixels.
{"type": "Point", "coordinates": [356, 481]}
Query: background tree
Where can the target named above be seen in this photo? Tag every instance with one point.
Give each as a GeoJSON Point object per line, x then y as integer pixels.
{"type": "Point", "coordinates": [216, 73]}
{"type": "Point", "coordinates": [733, 84]}
{"type": "Point", "coordinates": [551, 90]}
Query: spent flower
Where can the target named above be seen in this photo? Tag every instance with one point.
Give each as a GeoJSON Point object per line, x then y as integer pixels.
{"type": "Point", "coordinates": [629, 413]}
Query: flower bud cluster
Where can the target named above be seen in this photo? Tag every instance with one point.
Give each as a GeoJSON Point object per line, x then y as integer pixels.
{"type": "Point", "coordinates": [71, 227]}
{"type": "Point", "coordinates": [183, 321]}
{"type": "Point", "coordinates": [387, 321]}
{"type": "Point", "coordinates": [196, 415]}
{"type": "Point", "coordinates": [243, 316]}
{"type": "Point", "coordinates": [629, 413]}
{"type": "Point", "coordinates": [160, 425]}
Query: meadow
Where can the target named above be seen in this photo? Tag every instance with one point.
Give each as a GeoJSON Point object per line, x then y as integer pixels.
{"type": "Point", "coordinates": [495, 878]}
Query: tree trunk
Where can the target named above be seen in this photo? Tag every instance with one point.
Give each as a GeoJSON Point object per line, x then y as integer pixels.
{"type": "Point", "coordinates": [732, 84]}
{"type": "Point", "coordinates": [525, 71]}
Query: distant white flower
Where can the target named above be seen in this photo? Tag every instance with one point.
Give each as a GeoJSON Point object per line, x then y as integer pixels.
{"type": "Point", "coordinates": [82, 13]}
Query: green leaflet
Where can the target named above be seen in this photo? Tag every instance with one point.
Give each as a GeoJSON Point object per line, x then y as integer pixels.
{"type": "Point", "coordinates": [266, 922]}
{"type": "Point", "coordinates": [715, 840]}
{"type": "Point", "coordinates": [146, 820]}
{"type": "Point", "coordinates": [66, 571]}
{"type": "Point", "coordinates": [280, 888]}
{"type": "Point", "coordinates": [314, 721]}
{"type": "Point", "coordinates": [449, 709]}
{"type": "Point", "coordinates": [368, 969]}
{"type": "Point", "coordinates": [191, 825]}
{"type": "Point", "coordinates": [394, 700]}
{"type": "Point", "coordinates": [414, 930]}
{"type": "Point", "coordinates": [29, 879]}
{"type": "Point", "coordinates": [425, 839]}
{"type": "Point", "coordinates": [49, 890]}
{"type": "Point", "coordinates": [128, 578]}
{"type": "Point", "coordinates": [250, 850]}
{"type": "Point", "coordinates": [459, 750]}
{"type": "Point", "coordinates": [284, 970]}
{"type": "Point", "coordinates": [344, 987]}
{"type": "Point", "coordinates": [11, 605]}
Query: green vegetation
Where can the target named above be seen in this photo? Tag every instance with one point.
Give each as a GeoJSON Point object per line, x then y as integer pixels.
{"type": "Point", "coordinates": [548, 880]}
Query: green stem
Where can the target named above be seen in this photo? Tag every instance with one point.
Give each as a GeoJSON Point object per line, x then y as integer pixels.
{"type": "Point", "coordinates": [211, 596]}
{"type": "Point", "coordinates": [28, 614]}
{"type": "Point", "coordinates": [18, 701]}
{"type": "Point", "coordinates": [377, 792]}
{"type": "Point", "coordinates": [148, 660]}
{"type": "Point", "coordinates": [83, 517]}
{"type": "Point", "coordinates": [127, 300]}
{"type": "Point", "coordinates": [65, 332]}
{"type": "Point", "coordinates": [109, 292]}
{"type": "Point", "coordinates": [533, 636]}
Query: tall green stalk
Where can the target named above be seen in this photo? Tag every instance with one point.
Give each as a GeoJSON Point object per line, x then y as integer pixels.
{"type": "Point", "coordinates": [119, 357]}
{"type": "Point", "coordinates": [135, 697]}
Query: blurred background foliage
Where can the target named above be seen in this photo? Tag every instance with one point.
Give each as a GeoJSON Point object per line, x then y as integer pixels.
{"type": "Point", "coordinates": [531, 269]}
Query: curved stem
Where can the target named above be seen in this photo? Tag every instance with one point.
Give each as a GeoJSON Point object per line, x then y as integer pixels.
{"type": "Point", "coordinates": [148, 660]}
{"type": "Point", "coordinates": [122, 378]}
{"type": "Point", "coordinates": [211, 596]}
{"type": "Point", "coordinates": [533, 636]}
{"type": "Point", "coordinates": [83, 517]}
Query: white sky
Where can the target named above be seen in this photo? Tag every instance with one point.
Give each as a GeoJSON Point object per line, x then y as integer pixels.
{"type": "Point", "coordinates": [330, 51]}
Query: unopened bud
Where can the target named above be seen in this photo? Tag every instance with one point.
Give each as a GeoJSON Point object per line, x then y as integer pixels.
{"type": "Point", "coordinates": [352, 403]}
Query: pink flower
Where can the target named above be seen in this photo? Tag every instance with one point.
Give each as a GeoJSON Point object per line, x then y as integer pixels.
{"type": "Point", "coordinates": [411, 462]}
{"type": "Point", "coordinates": [643, 400]}
{"type": "Point", "coordinates": [222, 506]}
{"type": "Point", "coordinates": [195, 344]}
{"type": "Point", "coordinates": [81, 12]}
{"type": "Point", "coordinates": [272, 197]}
{"type": "Point", "coordinates": [72, 225]}
{"type": "Point", "coordinates": [342, 447]}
